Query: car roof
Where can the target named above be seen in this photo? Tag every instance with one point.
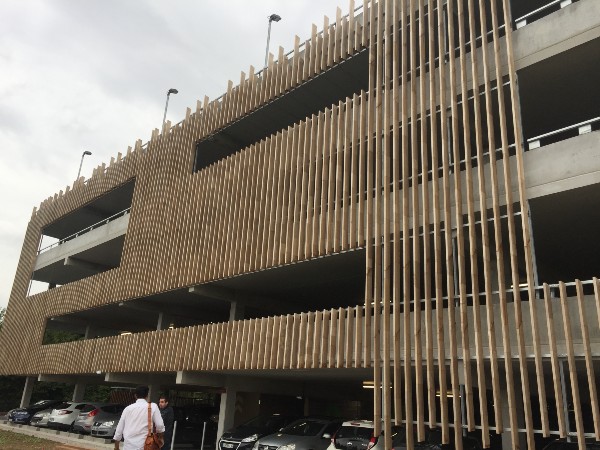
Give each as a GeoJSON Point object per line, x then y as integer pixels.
{"type": "Point", "coordinates": [359, 423]}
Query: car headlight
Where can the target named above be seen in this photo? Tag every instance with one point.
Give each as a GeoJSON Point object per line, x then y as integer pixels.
{"type": "Point", "coordinates": [288, 447]}
{"type": "Point", "coordinates": [252, 438]}
{"type": "Point", "coordinates": [110, 423]}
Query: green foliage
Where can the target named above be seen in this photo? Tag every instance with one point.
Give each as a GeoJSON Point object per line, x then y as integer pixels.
{"type": "Point", "coordinates": [43, 390]}
{"type": "Point", "coordinates": [58, 337]}
{"type": "Point", "coordinates": [96, 393]}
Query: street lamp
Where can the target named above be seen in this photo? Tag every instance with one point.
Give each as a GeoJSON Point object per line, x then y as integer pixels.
{"type": "Point", "coordinates": [169, 92]}
{"type": "Point", "coordinates": [272, 18]}
{"type": "Point", "coordinates": [81, 163]}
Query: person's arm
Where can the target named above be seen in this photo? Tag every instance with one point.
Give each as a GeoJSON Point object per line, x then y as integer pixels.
{"type": "Point", "coordinates": [170, 419]}
{"type": "Point", "coordinates": [157, 419]}
{"type": "Point", "coordinates": [119, 431]}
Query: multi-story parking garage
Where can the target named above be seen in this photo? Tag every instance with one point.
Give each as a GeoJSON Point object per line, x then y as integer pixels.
{"type": "Point", "coordinates": [397, 219]}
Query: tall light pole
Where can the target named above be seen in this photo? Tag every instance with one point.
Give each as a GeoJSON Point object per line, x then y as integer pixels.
{"type": "Point", "coordinates": [81, 163]}
{"type": "Point", "coordinates": [272, 18]}
{"type": "Point", "coordinates": [169, 92]}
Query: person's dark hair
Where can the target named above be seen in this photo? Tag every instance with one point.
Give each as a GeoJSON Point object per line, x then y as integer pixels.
{"type": "Point", "coordinates": [164, 397]}
{"type": "Point", "coordinates": [141, 391]}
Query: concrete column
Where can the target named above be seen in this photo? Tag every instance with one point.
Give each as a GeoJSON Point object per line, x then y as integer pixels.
{"type": "Point", "coordinates": [163, 321]}
{"type": "Point", "coordinates": [90, 332]}
{"type": "Point", "coordinates": [507, 443]}
{"type": "Point", "coordinates": [236, 311]}
{"type": "Point", "coordinates": [27, 390]}
{"type": "Point", "coordinates": [154, 393]}
{"type": "Point", "coordinates": [227, 410]}
{"type": "Point", "coordinates": [78, 392]}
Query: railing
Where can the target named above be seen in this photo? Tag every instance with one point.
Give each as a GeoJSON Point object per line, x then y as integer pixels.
{"type": "Point", "coordinates": [85, 230]}
{"type": "Point", "coordinates": [582, 128]}
{"type": "Point", "coordinates": [523, 20]}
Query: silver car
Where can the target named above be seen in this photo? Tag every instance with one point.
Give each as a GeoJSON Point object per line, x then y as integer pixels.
{"type": "Point", "coordinates": [105, 422]}
{"type": "Point", "coordinates": [304, 434]}
{"type": "Point", "coordinates": [40, 418]}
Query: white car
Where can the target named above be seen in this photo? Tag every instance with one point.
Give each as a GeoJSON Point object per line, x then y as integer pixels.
{"type": "Point", "coordinates": [63, 417]}
{"type": "Point", "coordinates": [354, 435]}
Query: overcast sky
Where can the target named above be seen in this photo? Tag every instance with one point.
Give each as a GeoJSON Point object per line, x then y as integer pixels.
{"type": "Point", "coordinates": [93, 74]}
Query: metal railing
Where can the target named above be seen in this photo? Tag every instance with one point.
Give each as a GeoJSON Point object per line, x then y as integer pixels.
{"type": "Point", "coordinates": [85, 230]}
{"type": "Point", "coordinates": [523, 20]}
{"type": "Point", "coordinates": [582, 127]}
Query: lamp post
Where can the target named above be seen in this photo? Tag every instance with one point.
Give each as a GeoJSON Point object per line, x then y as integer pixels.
{"type": "Point", "coordinates": [272, 18]}
{"type": "Point", "coordinates": [81, 163]}
{"type": "Point", "coordinates": [169, 92]}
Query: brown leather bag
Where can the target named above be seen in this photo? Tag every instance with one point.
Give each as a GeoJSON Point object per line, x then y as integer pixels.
{"type": "Point", "coordinates": [154, 441]}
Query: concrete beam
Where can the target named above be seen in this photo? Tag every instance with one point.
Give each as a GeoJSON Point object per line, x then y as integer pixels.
{"type": "Point", "coordinates": [70, 379]}
{"type": "Point", "coordinates": [72, 261]}
{"type": "Point", "coordinates": [200, 379]}
{"type": "Point", "coordinates": [214, 292]}
{"type": "Point", "coordinates": [241, 383]}
{"type": "Point", "coordinates": [137, 379]}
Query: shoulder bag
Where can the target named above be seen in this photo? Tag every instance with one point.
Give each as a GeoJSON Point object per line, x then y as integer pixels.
{"type": "Point", "coordinates": [154, 441]}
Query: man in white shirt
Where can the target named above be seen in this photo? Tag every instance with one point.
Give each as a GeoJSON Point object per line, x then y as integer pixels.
{"type": "Point", "coordinates": [133, 425]}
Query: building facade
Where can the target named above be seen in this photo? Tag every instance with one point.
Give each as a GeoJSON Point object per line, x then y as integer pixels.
{"type": "Point", "coordinates": [406, 202]}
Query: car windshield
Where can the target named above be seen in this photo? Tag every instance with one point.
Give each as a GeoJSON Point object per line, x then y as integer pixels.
{"type": "Point", "coordinates": [41, 402]}
{"type": "Point", "coordinates": [63, 405]}
{"type": "Point", "coordinates": [348, 432]}
{"type": "Point", "coordinates": [113, 409]}
{"type": "Point", "coordinates": [304, 428]}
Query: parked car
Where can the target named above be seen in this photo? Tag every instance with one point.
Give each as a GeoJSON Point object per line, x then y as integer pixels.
{"type": "Point", "coordinates": [245, 435]}
{"type": "Point", "coordinates": [105, 422]}
{"type": "Point", "coordinates": [63, 417]}
{"type": "Point", "coordinates": [24, 415]}
{"type": "Point", "coordinates": [303, 434]}
{"type": "Point", "coordinates": [354, 435]}
{"type": "Point", "coordinates": [433, 440]}
{"type": "Point", "coordinates": [40, 418]}
{"type": "Point", "coordinates": [562, 444]}
{"type": "Point", "coordinates": [88, 413]}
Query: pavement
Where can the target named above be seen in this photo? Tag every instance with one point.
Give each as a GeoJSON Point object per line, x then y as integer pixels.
{"type": "Point", "coordinates": [71, 441]}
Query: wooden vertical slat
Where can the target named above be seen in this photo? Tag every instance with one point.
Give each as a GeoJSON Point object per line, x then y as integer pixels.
{"type": "Point", "coordinates": [589, 362]}
{"type": "Point", "coordinates": [575, 399]}
{"type": "Point", "coordinates": [558, 394]}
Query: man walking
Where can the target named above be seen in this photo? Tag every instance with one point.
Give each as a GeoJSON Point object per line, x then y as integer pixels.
{"type": "Point", "coordinates": [133, 425]}
{"type": "Point", "coordinates": [168, 417]}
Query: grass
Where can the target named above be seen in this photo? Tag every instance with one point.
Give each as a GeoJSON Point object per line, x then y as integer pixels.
{"type": "Point", "coordinates": [17, 441]}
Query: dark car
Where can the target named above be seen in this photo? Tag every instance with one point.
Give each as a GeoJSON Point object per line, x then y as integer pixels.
{"type": "Point", "coordinates": [303, 434]}
{"type": "Point", "coordinates": [433, 440]}
{"type": "Point", "coordinates": [24, 415]}
{"type": "Point", "coordinates": [105, 422]}
{"type": "Point", "coordinates": [562, 444]}
{"type": "Point", "coordinates": [244, 436]}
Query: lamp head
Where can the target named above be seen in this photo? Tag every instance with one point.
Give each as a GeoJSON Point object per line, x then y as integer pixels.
{"type": "Point", "coordinates": [274, 18]}
{"type": "Point", "coordinates": [87, 153]}
{"type": "Point", "coordinates": [172, 91]}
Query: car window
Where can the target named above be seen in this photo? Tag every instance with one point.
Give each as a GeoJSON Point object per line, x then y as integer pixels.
{"type": "Point", "coordinates": [398, 436]}
{"type": "Point", "coordinates": [62, 406]}
{"type": "Point", "coordinates": [80, 406]}
{"type": "Point", "coordinates": [113, 409]}
{"type": "Point", "coordinates": [87, 408]}
{"type": "Point", "coordinates": [364, 433]}
{"type": "Point", "coordinates": [332, 428]}
{"type": "Point", "coordinates": [304, 428]}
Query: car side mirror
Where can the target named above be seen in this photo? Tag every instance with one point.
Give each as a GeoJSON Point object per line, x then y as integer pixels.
{"type": "Point", "coordinates": [326, 436]}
